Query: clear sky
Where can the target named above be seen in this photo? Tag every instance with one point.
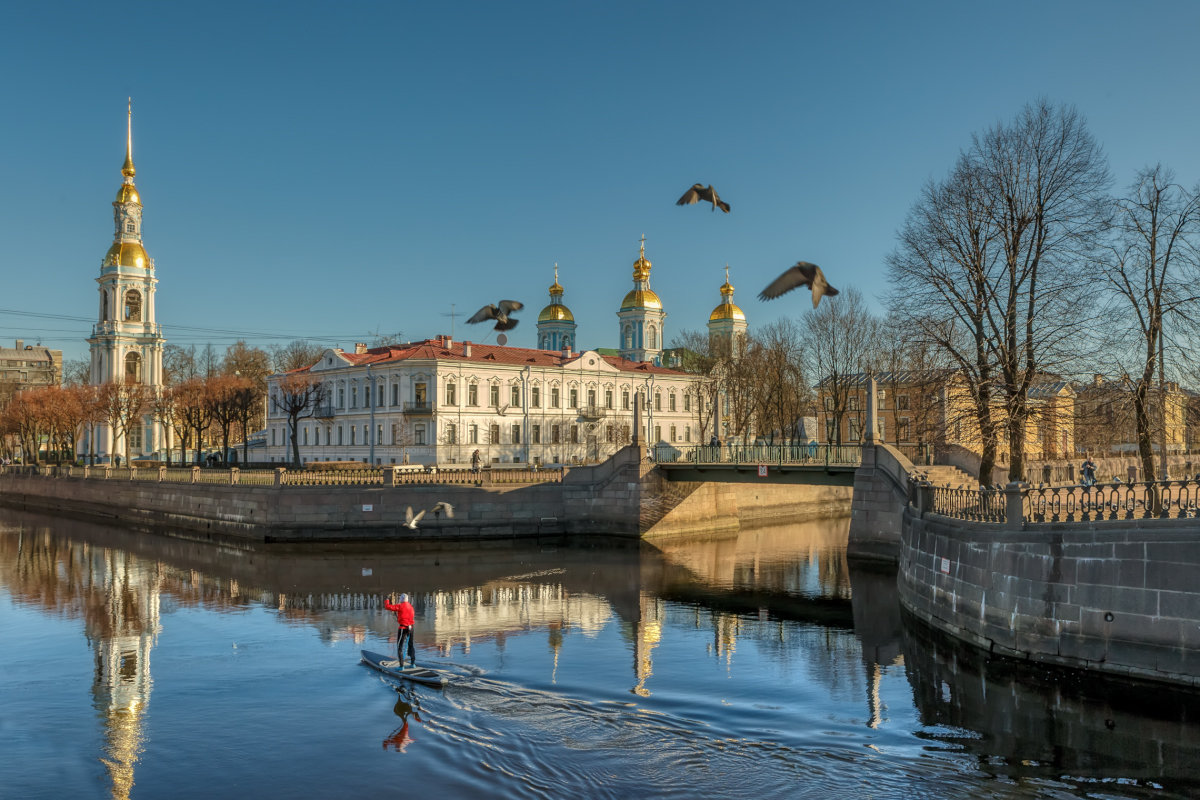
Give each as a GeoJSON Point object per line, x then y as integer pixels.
{"type": "Point", "coordinates": [329, 170]}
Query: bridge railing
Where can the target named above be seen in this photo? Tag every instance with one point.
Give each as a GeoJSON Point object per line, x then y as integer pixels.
{"type": "Point", "coordinates": [983, 504]}
{"type": "Point", "coordinates": [848, 455]}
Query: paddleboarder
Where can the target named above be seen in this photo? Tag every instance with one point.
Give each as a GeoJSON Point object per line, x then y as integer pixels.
{"type": "Point", "coordinates": [404, 621]}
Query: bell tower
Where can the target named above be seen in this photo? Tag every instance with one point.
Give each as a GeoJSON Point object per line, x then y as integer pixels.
{"type": "Point", "coordinates": [641, 317]}
{"type": "Point", "coordinates": [126, 343]}
{"type": "Point", "coordinates": [556, 323]}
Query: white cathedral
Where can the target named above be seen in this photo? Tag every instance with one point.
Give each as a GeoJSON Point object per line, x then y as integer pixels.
{"type": "Point", "coordinates": [126, 343]}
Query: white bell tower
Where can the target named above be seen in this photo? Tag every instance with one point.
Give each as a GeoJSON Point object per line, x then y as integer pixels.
{"type": "Point", "coordinates": [126, 343]}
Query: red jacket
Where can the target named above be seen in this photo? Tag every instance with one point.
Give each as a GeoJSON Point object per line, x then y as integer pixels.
{"type": "Point", "coordinates": [404, 613]}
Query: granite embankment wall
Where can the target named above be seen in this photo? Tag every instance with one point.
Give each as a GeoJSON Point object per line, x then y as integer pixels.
{"type": "Point", "coordinates": [623, 496]}
{"type": "Point", "coordinates": [1119, 598]}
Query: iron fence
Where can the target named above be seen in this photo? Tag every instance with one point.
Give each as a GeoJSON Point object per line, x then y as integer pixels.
{"type": "Point", "coordinates": [849, 455]}
{"type": "Point", "coordinates": [976, 505]}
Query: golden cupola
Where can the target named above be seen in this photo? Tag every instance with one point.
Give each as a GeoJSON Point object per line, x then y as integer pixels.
{"type": "Point", "coordinates": [642, 295]}
{"type": "Point", "coordinates": [126, 249]}
{"type": "Point", "coordinates": [556, 311]}
{"type": "Point", "coordinates": [727, 309]}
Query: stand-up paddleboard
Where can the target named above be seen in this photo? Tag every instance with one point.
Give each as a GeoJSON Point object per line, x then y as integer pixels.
{"type": "Point", "coordinates": [422, 675]}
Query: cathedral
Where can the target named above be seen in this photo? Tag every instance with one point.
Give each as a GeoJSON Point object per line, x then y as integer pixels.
{"type": "Point", "coordinates": [126, 344]}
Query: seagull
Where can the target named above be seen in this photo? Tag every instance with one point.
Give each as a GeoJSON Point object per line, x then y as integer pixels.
{"type": "Point", "coordinates": [802, 274]}
{"type": "Point", "coordinates": [499, 313]}
{"type": "Point", "coordinates": [442, 506]}
{"type": "Point", "coordinates": [700, 192]}
{"type": "Point", "coordinates": [410, 521]}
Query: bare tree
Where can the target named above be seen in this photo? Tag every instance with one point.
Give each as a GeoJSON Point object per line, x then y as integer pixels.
{"type": "Point", "coordinates": [76, 371]}
{"type": "Point", "coordinates": [193, 410]}
{"type": "Point", "coordinates": [840, 338]}
{"type": "Point", "coordinates": [299, 396]}
{"type": "Point", "coordinates": [1153, 272]}
{"type": "Point", "coordinates": [122, 406]}
{"type": "Point", "coordinates": [179, 364]}
{"type": "Point", "coordinates": [779, 367]}
{"type": "Point", "coordinates": [299, 354]}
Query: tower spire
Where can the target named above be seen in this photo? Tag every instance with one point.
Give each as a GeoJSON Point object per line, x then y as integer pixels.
{"type": "Point", "coordinates": [127, 168]}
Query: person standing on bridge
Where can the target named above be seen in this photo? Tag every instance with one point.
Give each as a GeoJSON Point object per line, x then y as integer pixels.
{"type": "Point", "coordinates": [404, 633]}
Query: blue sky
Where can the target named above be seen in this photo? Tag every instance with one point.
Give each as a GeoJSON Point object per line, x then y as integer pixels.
{"type": "Point", "coordinates": [331, 170]}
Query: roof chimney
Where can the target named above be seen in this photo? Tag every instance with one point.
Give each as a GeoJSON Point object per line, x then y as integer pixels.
{"type": "Point", "coordinates": [447, 342]}
{"type": "Point", "coordinates": [360, 348]}
{"type": "Point", "coordinates": [20, 344]}
{"type": "Point", "coordinates": [467, 349]}
{"type": "Point", "coordinates": [566, 350]}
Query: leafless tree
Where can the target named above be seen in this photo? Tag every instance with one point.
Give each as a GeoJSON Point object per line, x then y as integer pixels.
{"type": "Point", "coordinates": [840, 337]}
{"type": "Point", "coordinates": [779, 367]}
{"type": "Point", "coordinates": [76, 371]}
{"type": "Point", "coordinates": [179, 364]}
{"type": "Point", "coordinates": [1153, 272]}
{"type": "Point", "coordinates": [299, 396]}
{"type": "Point", "coordinates": [299, 354]}
{"type": "Point", "coordinates": [122, 406]}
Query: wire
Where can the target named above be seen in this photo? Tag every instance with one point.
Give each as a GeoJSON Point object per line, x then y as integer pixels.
{"type": "Point", "coordinates": [229, 332]}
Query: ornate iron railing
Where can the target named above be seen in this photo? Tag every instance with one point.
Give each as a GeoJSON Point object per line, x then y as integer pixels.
{"type": "Point", "coordinates": [1112, 501]}
{"type": "Point", "coordinates": [847, 455]}
{"type": "Point", "coordinates": [977, 505]}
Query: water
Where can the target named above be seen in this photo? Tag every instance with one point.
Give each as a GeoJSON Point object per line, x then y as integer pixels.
{"type": "Point", "coordinates": [764, 666]}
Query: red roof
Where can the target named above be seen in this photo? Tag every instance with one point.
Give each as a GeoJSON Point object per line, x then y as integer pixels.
{"type": "Point", "coordinates": [435, 349]}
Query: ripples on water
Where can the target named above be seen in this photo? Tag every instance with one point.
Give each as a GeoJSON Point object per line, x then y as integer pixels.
{"type": "Point", "coordinates": [757, 666]}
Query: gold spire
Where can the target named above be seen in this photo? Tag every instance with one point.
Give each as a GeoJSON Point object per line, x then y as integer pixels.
{"type": "Point", "coordinates": [556, 311]}
{"type": "Point", "coordinates": [127, 168]}
{"type": "Point", "coordinates": [727, 309]}
{"type": "Point", "coordinates": [555, 288]}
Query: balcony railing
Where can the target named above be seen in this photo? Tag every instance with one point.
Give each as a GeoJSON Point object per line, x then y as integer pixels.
{"type": "Point", "coordinates": [592, 411]}
{"type": "Point", "coordinates": [418, 407]}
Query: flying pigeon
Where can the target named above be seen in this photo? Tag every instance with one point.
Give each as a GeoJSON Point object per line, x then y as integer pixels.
{"type": "Point", "coordinates": [410, 521]}
{"type": "Point", "coordinates": [803, 274]}
{"type": "Point", "coordinates": [699, 192]}
{"type": "Point", "coordinates": [499, 313]}
{"type": "Point", "coordinates": [443, 507]}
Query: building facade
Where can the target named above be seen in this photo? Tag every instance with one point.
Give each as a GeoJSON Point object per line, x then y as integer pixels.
{"type": "Point", "coordinates": [126, 342]}
{"type": "Point", "coordinates": [27, 366]}
{"type": "Point", "coordinates": [437, 401]}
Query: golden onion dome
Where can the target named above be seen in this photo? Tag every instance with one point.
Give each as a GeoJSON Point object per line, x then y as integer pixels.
{"type": "Point", "coordinates": [127, 254]}
{"type": "Point", "coordinates": [128, 193]}
{"type": "Point", "coordinates": [641, 268]}
{"type": "Point", "coordinates": [556, 312]}
{"type": "Point", "coordinates": [641, 298]}
{"type": "Point", "coordinates": [556, 290]}
{"type": "Point", "coordinates": [727, 311]}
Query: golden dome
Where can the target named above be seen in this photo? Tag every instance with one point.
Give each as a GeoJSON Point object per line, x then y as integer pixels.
{"type": "Point", "coordinates": [127, 254]}
{"type": "Point", "coordinates": [641, 268]}
{"type": "Point", "coordinates": [641, 298]}
{"type": "Point", "coordinates": [727, 311]}
{"type": "Point", "coordinates": [555, 289]}
{"type": "Point", "coordinates": [556, 312]}
{"type": "Point", "coordinates": [128, 193]}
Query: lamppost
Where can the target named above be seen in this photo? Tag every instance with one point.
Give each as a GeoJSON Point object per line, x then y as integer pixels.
{"type": "Point", "coordinates": [371, 405]}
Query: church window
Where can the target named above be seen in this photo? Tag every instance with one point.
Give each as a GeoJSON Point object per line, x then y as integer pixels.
{"type": "Point", "coordinates": [133, 306]}
{"type": "Point", "coordinates": [133, 368]}
{"type": "Point", "coordinates": [627, 336]}
{"type": "Point", "coordinates": [652, 338]}
{"type": "Point", "coordinates": [130, 226]}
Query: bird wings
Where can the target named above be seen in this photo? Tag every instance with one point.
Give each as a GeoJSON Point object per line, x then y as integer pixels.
{"type": "Point", "coordinates": [509, 306]}
{"type": "Point", "coordinates": [484, 314]}
{"type": "Point", "coordinates": [444, 508]}
{"type": "Point", "coordinates": [699, 192]}
{"type": "Point", "coordinates": [802, 274]}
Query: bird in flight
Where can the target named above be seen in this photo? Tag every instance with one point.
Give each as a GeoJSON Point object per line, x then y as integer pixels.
{"type": "Point", "coordinates": [411, 520]}
{"type": "Point", "coordinates": [442, 507]}
{"type": "Point", "coordinates": [499, 313]}
{"type": "Point", "coordinates": [705, 193]}
{"type": "Point", "coordinates": [802, 274]}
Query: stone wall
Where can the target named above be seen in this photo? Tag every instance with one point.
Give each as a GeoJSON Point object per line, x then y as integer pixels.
{"type": "Point", "coordinates": [1119, 598]}
{"type": "Point", "coordinates": [624, 496]}
{"type": "Point", "coordinates": [880, 497]}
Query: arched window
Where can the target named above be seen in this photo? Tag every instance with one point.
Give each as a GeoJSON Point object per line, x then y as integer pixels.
{"type": "Point", "coordinates": [104, 305]}
{"type": "Point", "coordinates": [133, 368]}
{"type": "Point", "coordinates": [133, 306]}
{"type": "Point", "coordinates": [652, 338]}
{"type": "Point", "coordinates": [627, 336]}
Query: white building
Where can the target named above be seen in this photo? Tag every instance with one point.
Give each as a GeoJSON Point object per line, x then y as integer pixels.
{"type": "Point", "coordinates": [126, 343]}
{"type": "Point", "coordinates": [437, 401]}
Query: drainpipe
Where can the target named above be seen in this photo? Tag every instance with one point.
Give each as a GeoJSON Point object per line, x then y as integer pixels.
{"type": "Point", "coordinates": [371, 401]}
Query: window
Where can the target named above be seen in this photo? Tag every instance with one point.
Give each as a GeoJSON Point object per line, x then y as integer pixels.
{"type": "Point", "coordinates": [516, 434]}
{"type": "Point", "coordinates": [305, 436]}
{"type": "Point", "coordinates": [574, 434]}
{"type": "Point", "coordinates": [451, 433]}
{"type": "Point", "coordinates": [902, 402]}
{"type": "Point", "coordinates": [494, 434]}
{"type": "Point", "coordinates": [474, 433]}
{"type": "Point", "coordinates": [365, 429]}
{"type": "Point", "coordinates": [419, 433]}
{"type": "Point", "coordinates": [535, 434]}
{"type": "Point", "coordinates": [608, 398]}
{"type": "Point", "coordinates": [658, 401]}
{"type": "Point", "coordinates": [554, 434]}
{"type": "Point", "coordinates": [451, 398]}
{"type": "Point", "coordinates": [535, 397]}
{"type": "Point", "coordinates": [130, 226]}
{"type": "Point", "coordinates": [610, 434]}
{"type": "Point", "coordinates": [133, 368]}
{"type": "Point", "coordinates": [687, 402]}
{"type": "Point", "coordinates": [379, 396]}
{"type": "Point", "coordinates": [671, 403]}
{"type": "Point", "coordinates": [554, 397]}
{"type": "Point", "coordinates": [133, 306]}
{"type": "Point", "coordinates": [625, 399]}
{"type": "Point", "coordinates": [395, 394]}
{"type": "Point", "coordinates": [687, 431]}
{"type": "Point", "coordinates": [317, 435]}
{"type": "Point", "coordinates": [354, 396]}
{"type": "Point", "coordinates": [473, 394]}
{"type": "Point", "coordinates": [658, 433]}
{"type": "Point", "coordinates": [341, 398]}
{"type": "Point", "coordinates": [591, 398]}
{"type": "Point", "coordinates": [272, 437]}
{"type": "Point", "coordinates": [353, 434]}
{"type": "Point", "coordinates": [902, 429]}
{"type": "Point", "coordinates": [494, 396]}
{"type": "Point", "coordinates": [652, 339]}
{"type": "Point", "coordinates": [855, 429]}
{"type": "Point", "coordinates": [339, 434]}
{"type": "Point", "coordinates": [421, 393]}
{"type": "Point", "coordinates": [854, 402]}
{"type": "Point", "coordinates": [574, 398]}
{"type": "Point", "coordinates": [135, 437]}
{"type": "Point", "coordinates": [673, 432]}
{"type": "Point", "coordinates": [828, 402]}
{"type": "Point", "coordinates": [395, 433]}
{"type": "Point", "coordinates": [515, 396]}
{"type": "Point", "coordinates": [378, 434]}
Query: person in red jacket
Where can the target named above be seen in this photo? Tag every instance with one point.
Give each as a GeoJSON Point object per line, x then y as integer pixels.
{"type": "Point", "coordinates": [404, 619]}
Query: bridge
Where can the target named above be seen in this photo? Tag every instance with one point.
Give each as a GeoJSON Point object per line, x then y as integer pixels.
{"type": "Point", "coordinates": [811, 463]}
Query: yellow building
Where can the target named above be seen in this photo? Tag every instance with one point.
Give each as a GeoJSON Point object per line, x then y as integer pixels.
{"type": "Point", "coordinates": [1106, 422]}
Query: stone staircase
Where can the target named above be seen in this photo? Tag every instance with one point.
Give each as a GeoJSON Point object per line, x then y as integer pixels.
{"type": "Point", "coordinates": [944, 474]}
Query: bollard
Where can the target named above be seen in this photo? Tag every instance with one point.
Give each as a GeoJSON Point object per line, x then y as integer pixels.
{"type": "Point", "coordinates": [195, 474]}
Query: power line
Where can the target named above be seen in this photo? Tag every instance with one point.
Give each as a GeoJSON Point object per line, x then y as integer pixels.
{"type": "Point", "coordinates": [194, 329]}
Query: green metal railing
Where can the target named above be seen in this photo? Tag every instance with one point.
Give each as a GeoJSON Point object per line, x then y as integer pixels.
{"type": "Point", "coordinates": [845, 455]}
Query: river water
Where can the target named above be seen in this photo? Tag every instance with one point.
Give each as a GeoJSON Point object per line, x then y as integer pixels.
{"type": "Point", "coordinates": [761, 666]}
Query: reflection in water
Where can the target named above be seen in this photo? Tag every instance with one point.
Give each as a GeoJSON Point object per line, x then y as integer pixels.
{"type": "Point", "coordinates": [406, 706]}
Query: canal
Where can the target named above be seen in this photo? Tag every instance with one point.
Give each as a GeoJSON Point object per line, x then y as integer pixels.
{"type": "Point", "coordinates": [761, 666]}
